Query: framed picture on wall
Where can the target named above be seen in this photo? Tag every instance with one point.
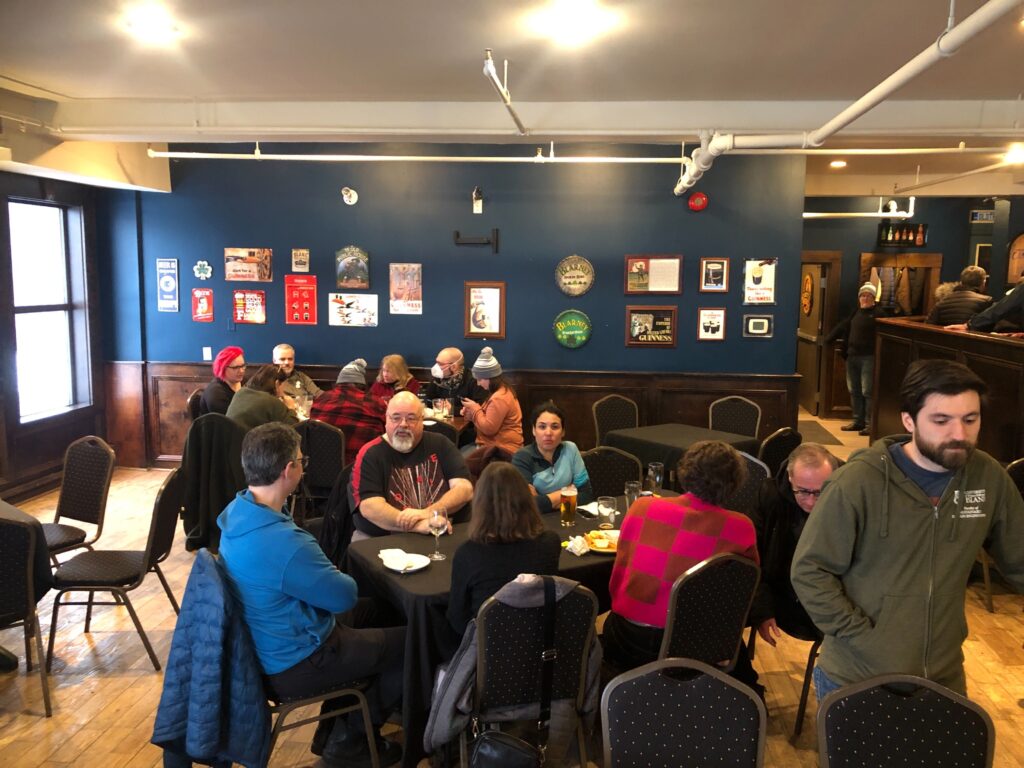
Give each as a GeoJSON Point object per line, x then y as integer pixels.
{"type": "Point", "coordinates": [648, 326]}
{"type": "Point", "coordinates": [353, 268]}
{"type": "Point", "coordinates": [653, 274]}
{"type": "Point", "coordinates": [249, 264]}
{"type": "Point", "coordinates": [711, 324]}
{"type": "Point", "coordinates": [1015, 262]}
{"type": "Point", "coordinates": [759, 281]}
{"type": "Point", "coordinates": [484, 311]}
{"type": "Point", "coordinates": [714, 275]}
{"type": "Point", "coordinates": [758, 326]}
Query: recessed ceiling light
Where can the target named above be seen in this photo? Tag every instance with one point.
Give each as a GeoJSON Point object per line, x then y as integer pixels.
{"type": "Point", "coordinates": [1015, 155]}
{"type": "Point", "coordinates": [837, 164]}
{"type": "Point", "coordinates": [150, 23]}
{"type": "Point", "coordinates": [573, 23]}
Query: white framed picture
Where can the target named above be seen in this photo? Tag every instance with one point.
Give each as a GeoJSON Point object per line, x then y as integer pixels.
{"type": "Point", "coordinates": [758, 326]}
{"type": "Point", "coordinates": [711, 324]}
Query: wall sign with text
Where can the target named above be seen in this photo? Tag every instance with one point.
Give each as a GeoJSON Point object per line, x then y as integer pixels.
{"type": "Point", "coordinates": [648, 326]}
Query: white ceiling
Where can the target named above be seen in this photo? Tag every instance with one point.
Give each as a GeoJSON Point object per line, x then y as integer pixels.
{"type": "Point", "coordinates": [340, 70]}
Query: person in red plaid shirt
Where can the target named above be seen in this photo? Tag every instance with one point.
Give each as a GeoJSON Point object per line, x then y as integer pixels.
{"type": "Point", "coordinates": [663, 538]}
{"type": "Point", "coordinates": [350, 408]}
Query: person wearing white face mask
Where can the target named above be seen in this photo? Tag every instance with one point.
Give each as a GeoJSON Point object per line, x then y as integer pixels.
{"type": "Point", "coordinates": [450, 380]}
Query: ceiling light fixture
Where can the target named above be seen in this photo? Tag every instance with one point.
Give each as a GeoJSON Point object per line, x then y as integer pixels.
{"type": "Point", "coordinates": [573, 23]}
{"type": "Point", "coordinates": [150, 23]}
{"type": "Point", "coordinates": [837, 164]}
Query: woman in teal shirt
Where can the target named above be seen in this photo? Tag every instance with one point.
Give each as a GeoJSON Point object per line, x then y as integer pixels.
{"type": "Point", "coordinates": [550, 463]}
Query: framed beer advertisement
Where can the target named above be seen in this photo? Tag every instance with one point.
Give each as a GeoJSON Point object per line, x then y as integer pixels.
{"type": "Point", "coordinates": [714, 275]}
{"type": "Point", "coordinates": [484, 312]}
{"type": "Point", "coordinates": [648, 326]}
{"type": "Point", "coordinates": [711, 324]}
{"type": "Point", "coordinates": [653, 274]}
{"type": "Point", "coordinates": [759, 281]}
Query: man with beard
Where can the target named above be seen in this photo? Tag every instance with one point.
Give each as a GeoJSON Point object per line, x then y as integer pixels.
{"type": "Point", "coordinates": [297, 384]}
{"type": "Point", "coordinates": [449, 380]}
{"type": "Point", "coordinates": [882, 564]}
{"type": "Point", "coordinates": [401, 477]}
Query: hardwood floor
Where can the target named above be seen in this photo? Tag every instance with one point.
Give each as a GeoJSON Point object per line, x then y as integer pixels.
{"type": "Point", "coordinates": [105, 691]}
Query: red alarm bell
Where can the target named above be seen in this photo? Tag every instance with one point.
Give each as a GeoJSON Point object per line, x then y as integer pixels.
{"type": "Point", "coordinates": [698, 201]}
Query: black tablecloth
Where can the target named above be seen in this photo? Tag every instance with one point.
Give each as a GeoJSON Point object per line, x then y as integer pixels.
{"type": "Point", "coordinates": [668, 442]}
{"type": "Point", "coordinates": [422, 597]}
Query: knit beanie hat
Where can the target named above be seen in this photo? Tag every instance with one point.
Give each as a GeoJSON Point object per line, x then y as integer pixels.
{"type": "Point", "coordinates": [353, 373]}
{"type": "Point", "coordinates": [868, 288]}
{"type": "Point", "coordinates": [223, 360]}
{"type": "Point", "coordinates": [487, 365]}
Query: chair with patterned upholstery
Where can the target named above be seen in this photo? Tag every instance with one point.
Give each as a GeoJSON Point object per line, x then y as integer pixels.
{"type": "Point", "coordinates": [614, 412]}
{"type": "Point", "coordinates": [192, 403]}
{"type": "Point", "coordinates": [775, 448]}
{"type": "Point", "coordinates": [88, 468]}
{"type": "Point", "coordinates": [610, 468]}
{"type": "Point", "coordinates": [735, 414]}
{"type": "Point", "coordinates": [681, 712]}
{"type": "Point", "coordinates": [443, 428]}
{"type": "Point", "coordinates": [324, 444]}
{"type": "Point", "coordinates": [903, 720]}
{"type": "Point", "coordinates": [508, 670]}
{"type": "Point", "coordinates": [17, 592]}
{"type": "Point", "coordinates": [119, 572]}
{"type": "Point", "coordinates": [744, 498]}
{"type": "Point", "coordinates": [707, 610]}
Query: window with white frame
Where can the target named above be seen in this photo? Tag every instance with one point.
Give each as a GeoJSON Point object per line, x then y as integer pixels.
{"type": "Point", "coordinates": [50, 318]}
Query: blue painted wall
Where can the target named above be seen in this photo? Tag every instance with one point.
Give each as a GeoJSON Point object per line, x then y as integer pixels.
{"type": "Point", "coordinates": [407, 212]}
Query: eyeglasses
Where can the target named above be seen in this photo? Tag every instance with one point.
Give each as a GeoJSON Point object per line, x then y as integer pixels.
{"type": "Point", "coordinates": [397, 418]}
{"type": "Point", "coordinates": [807, 492]}
{"type": "Point", "coordinates": [236, 367]}
{"type": "Point", "coordinates": [302, 461]}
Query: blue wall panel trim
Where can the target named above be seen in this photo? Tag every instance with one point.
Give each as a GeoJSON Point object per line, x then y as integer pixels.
{"type": "Point", "coordinates": [407, 212]}
{"type": "Point", "coordinates": [118, 256]}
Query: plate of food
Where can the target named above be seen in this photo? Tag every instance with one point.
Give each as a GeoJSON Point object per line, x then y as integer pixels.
{"type": "Point", "coordinates": [602, 542]}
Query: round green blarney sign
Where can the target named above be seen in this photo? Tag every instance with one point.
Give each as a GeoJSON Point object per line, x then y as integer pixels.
{"type": "Point", "coordinates": [572, 328]}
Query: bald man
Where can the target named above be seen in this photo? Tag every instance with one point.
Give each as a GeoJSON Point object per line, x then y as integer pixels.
{"type": "Point", "coordinates": [450, 380]}
{"type": "Point", "coordinates": [401, 476]}
{"type": "Point", "coordinates": [297, 382]}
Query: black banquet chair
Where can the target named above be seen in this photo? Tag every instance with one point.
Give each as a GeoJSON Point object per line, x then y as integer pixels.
{"type": "Point", "coordinates": [775, 448]}
{"type": "Point", "coordinates": [324, 444]}
{"type": "Point", "coordinates": [1015, 469]}
{"type": "Point", "coordinates": [17, 592]}
{"type": "Point", "coordinates": [744, 498]}
{"type": "Point", "coordinates": [707, 610]}
{"type": "Point", "coordinates": [735, 414]}
{"type": "Point", "coordinates": [901, 720]}
{"type": "Point", "coordinates": [610, 468]}
{"type": "Point", "coordinates": [119, 572]}
{"type": "Point", "coordinates": [442, 428]}
{"type": "Point", "coordinates": [88, 468]}
{"type": "Point", "coordinates": [192, 403]}
{"type": "Point", "coordinates": [614, 412]}
{"type": "Point", "coordinates": [681, 712]}
{"type": "Point", "coordinates": [211, 463]}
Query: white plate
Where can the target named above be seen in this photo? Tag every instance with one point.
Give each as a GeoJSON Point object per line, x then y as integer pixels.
{"type": "Point", "coordinates": [428, 422]}
{"type": "Point", "coordinates": [413, 563]}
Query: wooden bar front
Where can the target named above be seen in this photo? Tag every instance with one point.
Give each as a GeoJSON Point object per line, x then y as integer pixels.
{"type": "Point", "coordinates": [999, 361]}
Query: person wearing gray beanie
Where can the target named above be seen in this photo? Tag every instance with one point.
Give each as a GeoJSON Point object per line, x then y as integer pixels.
{"type": "Point", "coordinates": [353, 373]}
{"type": "Point", "coordinates": [499, 421]}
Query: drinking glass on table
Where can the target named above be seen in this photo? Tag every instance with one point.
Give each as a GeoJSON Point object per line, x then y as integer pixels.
{"type": "Point", "coordinates": [655, 476]}
{"type": "Point", "coordinates": [606, 510]}
{"type": "Point", "coordinates": [567, 508]}
{"type": "Point", "coordinates": [632, 491]}
{"type": "Point", "coordinates": [438, 524]}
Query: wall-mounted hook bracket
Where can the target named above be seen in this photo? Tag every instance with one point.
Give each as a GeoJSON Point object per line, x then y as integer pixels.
{"type": "Point", "coordinates": [491, 241]}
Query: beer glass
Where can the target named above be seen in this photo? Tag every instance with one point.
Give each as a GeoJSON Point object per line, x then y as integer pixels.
{"type": "Point", "coordinates": [632, 491]}
{"type": "Point", "coordinates": [568, 507]}
{"type": "Point", "coordinates": [655, 476]}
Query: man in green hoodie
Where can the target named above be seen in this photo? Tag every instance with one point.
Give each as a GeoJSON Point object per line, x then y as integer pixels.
{"type": "Point", "coordinates": [882, 564]}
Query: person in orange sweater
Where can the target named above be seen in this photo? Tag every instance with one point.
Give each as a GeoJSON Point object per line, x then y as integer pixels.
{"type": "Point", "coordinates": [499, 421]}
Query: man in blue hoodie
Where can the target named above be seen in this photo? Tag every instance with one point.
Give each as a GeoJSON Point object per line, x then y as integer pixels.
{"type": "Point", "coordinates": [290, 593]}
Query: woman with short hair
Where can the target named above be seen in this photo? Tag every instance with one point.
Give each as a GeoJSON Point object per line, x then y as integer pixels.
{"type": "Point", "coordinates": [228, 372]}
{"type": "Point", "coordinates": [550, 462]}
{"type": "Point", "coordinates": [260, 400]}
{"type": "Point", "coordinates": [506, 538]}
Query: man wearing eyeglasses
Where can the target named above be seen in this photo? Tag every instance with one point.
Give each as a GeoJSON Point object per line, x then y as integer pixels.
{"type": "Point", "coordinates": [449, 380]}
{"type": "Point", "coordinates": [402, 476]}
{"type": "Point", "coordinates": [883, 563]}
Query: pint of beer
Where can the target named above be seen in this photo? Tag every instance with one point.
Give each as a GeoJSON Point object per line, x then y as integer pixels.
{"type": "Point", "coordinates": [568, 507]}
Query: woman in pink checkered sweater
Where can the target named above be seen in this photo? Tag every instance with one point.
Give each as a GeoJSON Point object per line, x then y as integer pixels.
{"type": "Point", "coordinates": [662, 539]}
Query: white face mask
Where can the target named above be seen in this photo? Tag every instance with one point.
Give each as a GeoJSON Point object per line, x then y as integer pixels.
{"type": "Point", "coordinates": [437, 372]}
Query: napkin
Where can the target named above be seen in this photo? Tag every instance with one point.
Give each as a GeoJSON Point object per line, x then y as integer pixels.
{"type": "Point", "coordinates": [578, 546]}
{"type": "Point", "coordinates": [590, 509]}
{"type": "Point", "coordinates": [395, 559]}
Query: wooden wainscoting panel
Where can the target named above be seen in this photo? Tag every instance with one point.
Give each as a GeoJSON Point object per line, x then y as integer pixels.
{"type": "Point", "coordinates": [126, 422]}
{"type": "Point", "coordinates": [1000, 435]}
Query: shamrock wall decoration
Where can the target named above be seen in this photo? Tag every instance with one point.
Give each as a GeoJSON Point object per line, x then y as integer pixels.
{"type": "Point", "coordinates": [203, 270]}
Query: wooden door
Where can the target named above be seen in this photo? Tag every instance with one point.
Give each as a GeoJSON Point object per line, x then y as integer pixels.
{"type": "Point", "coordinates": [818, 312]}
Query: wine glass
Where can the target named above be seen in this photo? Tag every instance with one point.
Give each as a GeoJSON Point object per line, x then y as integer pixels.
{"type": "Point", "coordinates": [438, 524]}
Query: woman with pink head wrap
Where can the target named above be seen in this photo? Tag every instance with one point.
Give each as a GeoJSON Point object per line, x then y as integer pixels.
{"type": "Point", "coordinates": [228, 372]}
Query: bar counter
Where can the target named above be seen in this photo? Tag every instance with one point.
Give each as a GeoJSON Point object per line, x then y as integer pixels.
{"type": "Point", "coordinates": [996, 359]}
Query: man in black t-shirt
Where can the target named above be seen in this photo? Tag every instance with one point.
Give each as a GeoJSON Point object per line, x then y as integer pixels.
{"type": "Point", "coordinates": [400, 477]}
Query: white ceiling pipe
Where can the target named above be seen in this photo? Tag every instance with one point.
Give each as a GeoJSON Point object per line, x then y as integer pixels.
{"type": "Point", "coordinates": [954, 177]}
{"type": "Point", "coordinates": [492, 76]}
{"type": "Point", "coordinates": [948, 43]}
{"type": "Point", "coordinates": [892, 213]}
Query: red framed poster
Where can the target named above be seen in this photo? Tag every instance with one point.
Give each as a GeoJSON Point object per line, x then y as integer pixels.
{"type": "Point", "coordinates": [300, 299]}
{"type": "Point", "coordinates": [249, 306]}
{"type": "Point", "coordinates": [202, 305]}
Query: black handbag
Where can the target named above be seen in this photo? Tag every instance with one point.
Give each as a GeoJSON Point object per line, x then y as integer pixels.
{"type": "Point", "coordinates": [494, 749]}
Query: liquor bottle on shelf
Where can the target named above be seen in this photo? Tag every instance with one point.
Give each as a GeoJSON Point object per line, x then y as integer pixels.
{"type": "Point", "coordinates": [892, 234]}
{"type": "Point", "coordinates": [919, 239]}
